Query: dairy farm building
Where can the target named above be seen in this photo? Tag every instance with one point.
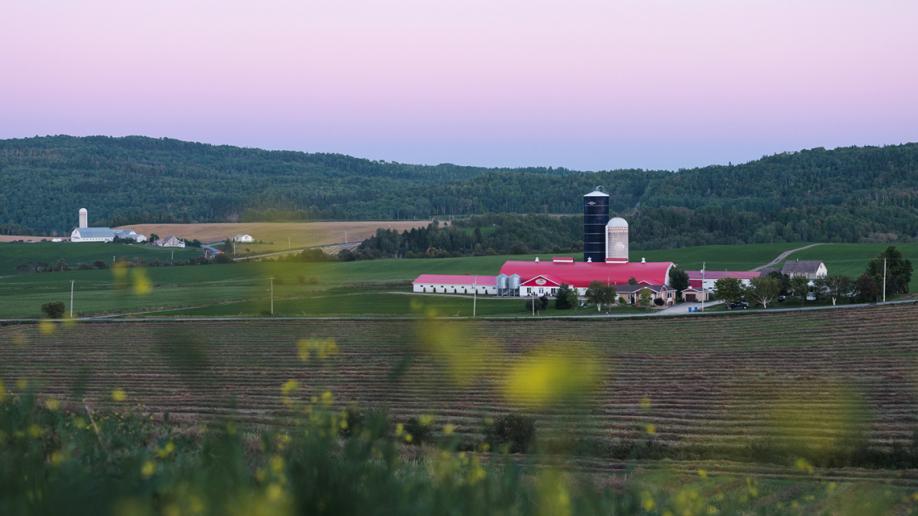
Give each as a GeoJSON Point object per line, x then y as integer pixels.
{"type": "Point", "coordinates": [605, 249]}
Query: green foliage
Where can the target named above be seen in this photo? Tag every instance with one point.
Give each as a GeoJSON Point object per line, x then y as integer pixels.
{"type": "Point", "coordinates": [644, 297]}
{"type": "Point", "coordinates": [53, 310]}
{"type": "Point", "coordinates": [515, 432]}
{"type": "Point", "coordinates": [477, 235]}
{"type": "Point", "coordinates": [842, 195]}
{"type": "Point", "coordinates": [566, 298]}
{"type": "Point", "coordinates": [898, 271]}
{"type": "Point", "coordinates": [678, 280]}
{"type": "Point", "coordinates": [763, 290]}
{"type": "Point", "coordinates": [799, 287]}
{"type": "Point", "coordinates": [729, 290]}
{"type": "Point", "coordinates": [867, 289]}
{"type": "Point", "coordinates": [833, 287]}
{"type": "Point", "coordinates": [537, 304]}
{"type": "Point", "coordinates": [599, 294]}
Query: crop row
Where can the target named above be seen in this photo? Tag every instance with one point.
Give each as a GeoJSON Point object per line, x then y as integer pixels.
{"type": "Point", "coordinates": [702, 382]}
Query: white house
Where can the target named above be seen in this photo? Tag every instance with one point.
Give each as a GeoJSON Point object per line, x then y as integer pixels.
{"type": "Point", "coordinates": [809, 269]}
{"type": "Point", "coordinates": [172, 241]}
{"type": "Point", "coordinates": [243, 238]}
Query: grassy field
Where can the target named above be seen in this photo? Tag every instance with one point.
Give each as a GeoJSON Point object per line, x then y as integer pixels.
{"type": "Point", "coordinates": [374, 287]}
{"type": "Point", "coordinates": [13, 255]}
{"type": "Point", "coordinates": [750, 396]}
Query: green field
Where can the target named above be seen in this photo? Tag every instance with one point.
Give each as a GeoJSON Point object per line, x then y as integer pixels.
{"type": "Point", "coordinates": [13, 255]}
{"type": "Point", "coordinates": [374, 287]}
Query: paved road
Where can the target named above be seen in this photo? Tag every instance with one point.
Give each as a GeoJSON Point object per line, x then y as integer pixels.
{"type": "Point", "coordinates": [683, 308]}
{"type": "Point", "coordinates": [783, 256]}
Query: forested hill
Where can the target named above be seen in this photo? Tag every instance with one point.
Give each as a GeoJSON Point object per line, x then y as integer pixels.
{"type": "Point", "coordinates": [846, 194]}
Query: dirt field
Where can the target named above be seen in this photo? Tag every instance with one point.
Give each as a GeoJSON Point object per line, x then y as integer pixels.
{"type": "Point", "coordinates": [275, 235]}
{"type": "Point", "coordinates": [721, 388]}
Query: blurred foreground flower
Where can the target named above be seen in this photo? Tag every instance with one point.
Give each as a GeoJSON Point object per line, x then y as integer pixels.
{"type": "Point", "coordinates": [552, 375]}
{"type": "Point", "coordinates": [119, 395]}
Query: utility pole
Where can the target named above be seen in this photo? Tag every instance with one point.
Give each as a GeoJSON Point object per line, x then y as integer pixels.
{"type": "Point", "coordinates": [533, 304]}
{"type": "Point", "coordinates": [884, 280]}
{"type": "Point", "coordinates": [704, 292]}
{"type": "Point", "coordinates": [71, 299]}
{"type": "Point", "coordinates": [288, 243]}
{"type": "Point", "coordinates": [272, 295]}
{"type": "Point", "coordinates": [475, 297]}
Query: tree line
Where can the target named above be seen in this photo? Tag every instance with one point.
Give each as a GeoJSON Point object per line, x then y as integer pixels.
{"type": "Point", "coordinates": [843, 195]}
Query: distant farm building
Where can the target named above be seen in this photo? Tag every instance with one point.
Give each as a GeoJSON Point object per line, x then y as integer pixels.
{"type": "Point", "coordinates": [605, 248]}
{"type": "Point", "coordinates": [809, 269]}
{"type": "Point", "coordinates": [701, 283]}
{"type": "Point", "coordinates": [244, 238]}
{"type": "Point", "coordinates": [84, 233]}
{"type": "Point", "coordinates": [455, 284]}
{"type": "Point", "coordinates": [172, 241]}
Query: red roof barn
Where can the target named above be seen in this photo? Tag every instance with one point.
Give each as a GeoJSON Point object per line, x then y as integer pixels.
{"type": "Point", "coordinates": [581, 274]}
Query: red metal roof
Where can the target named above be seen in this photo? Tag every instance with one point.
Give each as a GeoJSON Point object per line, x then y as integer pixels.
{"type": "Point", "coordinates": [540, 281]}
{"type": "Point", "coordinates": [581, 274]}
{"type": "Point", "coordinates": [716, 275]}
{"type": "Point", "coordinates": [457, 279]}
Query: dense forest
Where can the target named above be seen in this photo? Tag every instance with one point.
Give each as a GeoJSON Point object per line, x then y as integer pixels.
{"type": "Point", "coordinates": [841, 195]}
{"type": "Point", "coordinates": [475, 235]}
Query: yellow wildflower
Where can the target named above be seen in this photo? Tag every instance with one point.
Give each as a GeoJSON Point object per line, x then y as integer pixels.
{"type": "Point", "coordinates": [425, 420]}
{"type": "Point", "coordinates": [327, 398]}
{"type": "Point", "coordinates": [142, 285]}
{"type": "Point", "coordinates": [289, 387]}
{"type": "Point", "coordinates": [651, 429]}
{"type": "Point", "coordinates": [22, 384]}
{"type": "Point", "coordinates": [449, 428]}
{"type": "Point", "coordinates": [35, 431]}
{"type": "Point", "coordinates": [46, 327]}
{"type": "Point", "coordinates": [56, 457]}
{"type": "Point", "coordinates": [645, 403]}
{"type": "Point", "coordinates": [703, 473]}
{"type": "Point", "coordinates": [148, 469]}
{"type": "Point", "coordinates": [399, 429]}
{"type": "Point", "coordinates": [119, 395]}
{"type": "Point", "coordinates": [52, 404]}
{"type": "Point", "coordinates": [166, 450]}
{"type": "Point", "coordinates": [277, 464]}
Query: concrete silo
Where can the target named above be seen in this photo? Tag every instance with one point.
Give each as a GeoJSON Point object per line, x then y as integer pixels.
{"type": "Point", "coordinates": [617, 240]}
{"type": "Point", "coordinates": [84, 218]}
{"type": "Point", "coordinates": [595, 217]}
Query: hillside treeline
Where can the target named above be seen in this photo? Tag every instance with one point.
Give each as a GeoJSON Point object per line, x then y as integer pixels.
{"type": "Point", "coordinates": [477, 235]}
{"type": "Point", "coordinates": [842, 195]}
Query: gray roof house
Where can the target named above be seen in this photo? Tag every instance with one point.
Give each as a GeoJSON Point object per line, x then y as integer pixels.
{"type": "Point", "coordinates": [809, 269]}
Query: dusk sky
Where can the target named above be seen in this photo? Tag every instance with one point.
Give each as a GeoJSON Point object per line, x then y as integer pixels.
{"type": "Point", "coordinates": [582, 84]}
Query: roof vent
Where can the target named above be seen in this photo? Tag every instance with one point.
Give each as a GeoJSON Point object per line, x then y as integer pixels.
{"type": "Point", "coordinates": [643, 260]}
{"type": "Point", "coordinates": [537, 259]}
{"type": "Point", "coordinates": [590, 259]}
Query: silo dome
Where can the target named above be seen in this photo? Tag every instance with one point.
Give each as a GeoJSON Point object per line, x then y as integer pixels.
{"type": "Point", "coordinates": [617, 222]}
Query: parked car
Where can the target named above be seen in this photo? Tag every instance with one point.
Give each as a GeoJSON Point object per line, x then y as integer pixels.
{"type": "Point", "coordinates": [741, 305]}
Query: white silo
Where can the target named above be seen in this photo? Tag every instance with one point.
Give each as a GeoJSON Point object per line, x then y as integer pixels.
{"type": "Point", "coordinates": [617, 240]}
{"type": "Point", "coordinates": [84, 218]}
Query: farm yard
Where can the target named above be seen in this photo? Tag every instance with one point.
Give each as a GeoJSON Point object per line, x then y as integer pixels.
{"type": "Point", "coordinates": [735, 395]}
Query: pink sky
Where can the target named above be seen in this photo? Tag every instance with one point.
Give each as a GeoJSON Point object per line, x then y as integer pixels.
{"type": "Point", "coordinates": [582, 84]}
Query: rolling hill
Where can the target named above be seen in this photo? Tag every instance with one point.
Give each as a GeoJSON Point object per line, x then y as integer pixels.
{"type": "Point", "coordinates": [856, 194]}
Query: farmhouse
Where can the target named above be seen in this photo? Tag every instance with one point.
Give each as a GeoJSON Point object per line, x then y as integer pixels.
{"type": "Point", "coordinates": [809, 269]}
{"type": "Point", "coordinates": [172, 241]}
{"type": "Point", "coordinates": [84, 233]}
{"type": "Point", "coordinates": [244, 238]}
